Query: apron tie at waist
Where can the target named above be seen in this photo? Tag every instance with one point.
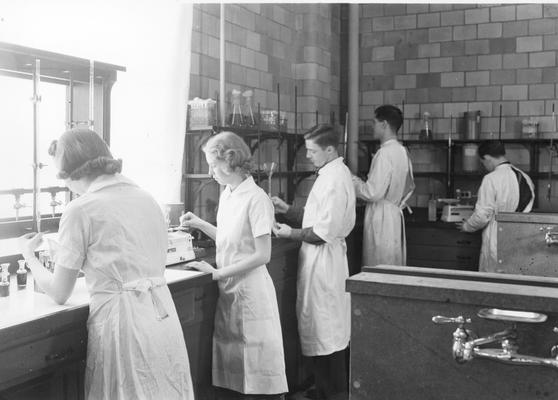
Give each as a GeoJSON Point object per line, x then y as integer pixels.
{"type": "Point", "coordinates": [146, 285]}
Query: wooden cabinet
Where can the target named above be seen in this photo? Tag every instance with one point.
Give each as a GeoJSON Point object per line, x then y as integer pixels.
{"type": "Point", "coordinates": [45, 358]}
{"type": "Point", "coordinates": [522, 248]}
{"type": "Point", "coordinates": [441, 245]}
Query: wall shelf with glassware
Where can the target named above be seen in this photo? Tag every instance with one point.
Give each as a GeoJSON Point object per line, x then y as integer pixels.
{"type": "Point", "coordinates": [453, 150]}
{"type": "Point", "coordinates": [265, 126]}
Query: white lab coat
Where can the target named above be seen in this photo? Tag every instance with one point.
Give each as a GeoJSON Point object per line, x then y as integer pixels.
{"type": "Point", "coordinates": [390, 183]}
{"type": "Point", "coordinates": [116, 233]}
{"type": "Point", "coordinates": [323, 306]}
{"type": "Point", "coordinates": [498, 192]}
{"type": "Point", "coordinates": [247, 341]}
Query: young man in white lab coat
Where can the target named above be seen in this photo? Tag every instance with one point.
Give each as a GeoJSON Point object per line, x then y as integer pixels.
{"type": "Point", "coordinates": [323, 306]}
{"type": "Point", "coordinates": [390, 183]}
{"type": "Point", "coordinates": [504, 188]}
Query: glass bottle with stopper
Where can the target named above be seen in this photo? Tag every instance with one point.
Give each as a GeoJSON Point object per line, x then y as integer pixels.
{"type": "Point", "coordinates": [21, 275]}
{"type": "Point", "coordinates": [5, 281]}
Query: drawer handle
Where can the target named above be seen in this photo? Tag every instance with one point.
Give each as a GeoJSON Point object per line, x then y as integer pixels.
{"type": "Point", "coordinates": [63, 355]}
{"type": "Point", "coordinates": [463, 242]}
{"type": "Point", "coordinates": [468, 258]}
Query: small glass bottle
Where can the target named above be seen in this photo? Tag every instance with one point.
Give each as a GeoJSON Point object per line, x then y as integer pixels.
{"type": "Point", "coordinates": [5, 283]}
{"type": "Point", "coordinates": [21, 275]}
{"type": "Point", "coordinates": [5, 270]}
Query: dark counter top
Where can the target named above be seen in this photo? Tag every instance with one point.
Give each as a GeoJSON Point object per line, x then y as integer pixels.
{"type": "Point", "coordinates": [448, 286]}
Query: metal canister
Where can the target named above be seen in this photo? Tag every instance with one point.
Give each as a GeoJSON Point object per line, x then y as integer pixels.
{"type": "Point", "coordinates": [472, 124]}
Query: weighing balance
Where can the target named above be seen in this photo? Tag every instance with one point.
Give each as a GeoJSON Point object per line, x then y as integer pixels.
{"type": "Point", "coordinates": [180, 248]}
{"type": "Point", "coordinates": [455, 212]}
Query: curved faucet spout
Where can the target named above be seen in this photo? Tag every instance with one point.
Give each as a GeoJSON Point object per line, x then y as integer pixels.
{"type": "Point", "coordinates": [514, 357]}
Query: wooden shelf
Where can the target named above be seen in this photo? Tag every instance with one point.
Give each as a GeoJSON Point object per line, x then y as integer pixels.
{"type": "Point", "coordinates": [255, 132]}
{"type": "Point", "coordinates": [371, 139]}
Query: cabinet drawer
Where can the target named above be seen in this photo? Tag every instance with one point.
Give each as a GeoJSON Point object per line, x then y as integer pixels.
{"type": "Point", "coordinates": [442, 237]}
{"type": "Point", "coordinates": [184, 302]}
{"type": "Point", "coordinates": [443, 257]}
{"type": "Point", "coordinates": [25, 360]}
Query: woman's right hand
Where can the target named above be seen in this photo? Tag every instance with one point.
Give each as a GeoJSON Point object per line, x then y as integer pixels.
{"type": "Point", "coordinates": [28, 243]}
{"type": "Point", "coordinates": [191, 221]}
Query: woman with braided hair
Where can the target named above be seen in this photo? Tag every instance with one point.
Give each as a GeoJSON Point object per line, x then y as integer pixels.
{"type": "Point", "coordinates": [247, 341]}
{"type": "Point", "coordinates": [116, 233]}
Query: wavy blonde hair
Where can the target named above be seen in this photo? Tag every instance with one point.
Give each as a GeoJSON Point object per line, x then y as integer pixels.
{"type": "Point", "coordinates": [83, 154]}
{"type": "Point", "coordinates": [231, 148]}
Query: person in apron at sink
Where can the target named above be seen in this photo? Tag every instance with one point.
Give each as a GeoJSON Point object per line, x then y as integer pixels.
{"type": "Point", "coordinates": [116, 233]}
{"type": "Point", "coordinates": [389, 185]}
{"type": "Point", "coordinates": [504, 189]}
{"type": "Point", "coordinates": [323, 306]}
{"type": "Point", "coordinates": [247, 341]}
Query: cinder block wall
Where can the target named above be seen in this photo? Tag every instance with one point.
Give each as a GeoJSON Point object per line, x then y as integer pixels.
{"type": "Point", "coordinates": [269, 44]}
{"type": "Point", "coordinates": [451, 58]}
{"type": "Point", "coordinates": [446, 59]}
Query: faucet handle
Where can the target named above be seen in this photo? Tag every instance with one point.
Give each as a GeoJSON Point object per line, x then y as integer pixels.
{"type": "Point", "coordinates": [440, 319]}
{"type": "Point", "coordinates": [554, 349]}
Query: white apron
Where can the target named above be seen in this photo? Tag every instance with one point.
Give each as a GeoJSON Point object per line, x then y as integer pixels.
{"type": "Point", "coordinates": [116, 233]}
{"type": "Point", "coordinates": [323, 306]}
{"type": "Point", "coordinates": [390, 184]}
{"type": "Point", "coordinates": [135, 347]}
{"type": "Point", "coordinates": [247, 341]}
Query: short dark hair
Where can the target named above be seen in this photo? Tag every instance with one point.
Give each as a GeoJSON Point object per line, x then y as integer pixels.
{"type": "Point", "coordinates": [494, 148]}
{"type": "Point", "coordinates": [323, 135]}
{"type": "Point", "coordinates": [391, 114]}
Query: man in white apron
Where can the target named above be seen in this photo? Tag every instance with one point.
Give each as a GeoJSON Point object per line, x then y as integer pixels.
{"type": "Point", "coordinates": [323, 306]}
{"type": "Point", "coordinates": [389, 185]}
{"type": "Point", "coordinates": [504, 188]}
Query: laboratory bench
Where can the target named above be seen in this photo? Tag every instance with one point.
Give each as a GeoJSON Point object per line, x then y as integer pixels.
{"type": "Point", "coordinates": [398, 351]}
{"type": "Point", "coordinates": [43, 345]}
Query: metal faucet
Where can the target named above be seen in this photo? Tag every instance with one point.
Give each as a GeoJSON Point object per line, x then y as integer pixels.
{"type": "Point", "coordinates": [466, 345]}
{"type": "Point", "coordinates": [550, 236]}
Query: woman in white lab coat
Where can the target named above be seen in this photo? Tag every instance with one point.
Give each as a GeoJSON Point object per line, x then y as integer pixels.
{"type": "Point", "coordinates": [247, 341]}
{"type": "Point", "coordinates": [115, 232]}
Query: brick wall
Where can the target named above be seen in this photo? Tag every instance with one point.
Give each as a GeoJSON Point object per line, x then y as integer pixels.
{"type": "Point", "coordinates": [266, 45]}
{"type": "Point", "coordinates": [451, 58]}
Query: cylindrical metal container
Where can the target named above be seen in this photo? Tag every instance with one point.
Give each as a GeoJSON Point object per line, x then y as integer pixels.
{"type": "Point", "coordinates": [471, 161]}
{"type": "Point", "coordinates": [472, 124]}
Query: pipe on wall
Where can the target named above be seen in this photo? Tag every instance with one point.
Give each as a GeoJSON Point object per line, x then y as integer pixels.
{"type": "Point", "coordinates": [222, 104]}
{"type": "Point", "coordinates": [353, 95]}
